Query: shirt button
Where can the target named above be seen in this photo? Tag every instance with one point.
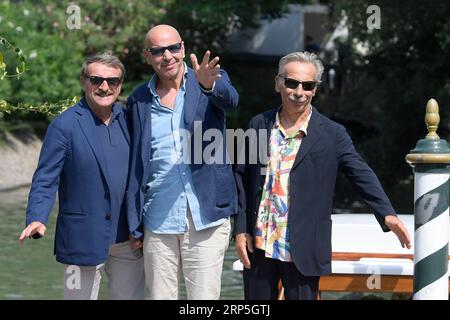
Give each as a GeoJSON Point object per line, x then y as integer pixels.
{"type": "Point", "coordinates": [108, 217]}
{"type": "Point", "coordinates": [182, 195]}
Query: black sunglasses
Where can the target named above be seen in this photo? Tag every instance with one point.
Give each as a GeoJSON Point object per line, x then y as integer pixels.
{"type": "Point", "coordinates": [97, 81]}
{"type": "Point", "coordinates": [293, 84]}
{"type": "Point", "coordinates": [159, 51]}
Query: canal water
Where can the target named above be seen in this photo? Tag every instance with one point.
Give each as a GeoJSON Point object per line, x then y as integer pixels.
{"type": "Point", "coordinates": [30, 271]}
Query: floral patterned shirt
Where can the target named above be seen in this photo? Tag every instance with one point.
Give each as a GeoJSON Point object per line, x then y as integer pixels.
{"type": "Point", "coordinates": [272, 230]}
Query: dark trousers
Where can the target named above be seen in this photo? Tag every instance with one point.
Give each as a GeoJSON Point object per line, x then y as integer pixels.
{"type": "Point", "coordinates": [261, 281]}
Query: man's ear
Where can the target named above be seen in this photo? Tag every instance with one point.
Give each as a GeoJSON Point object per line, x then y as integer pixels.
{"type": "Point", "coordinates": [147, 56]}
{"type": "Point", "coordinates": [277, 85]}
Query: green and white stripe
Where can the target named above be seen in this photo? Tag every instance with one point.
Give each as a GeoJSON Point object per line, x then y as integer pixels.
{"type": "Point", "coordinates": [431, 236]}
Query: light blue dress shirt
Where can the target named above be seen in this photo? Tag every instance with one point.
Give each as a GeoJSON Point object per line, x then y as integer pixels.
{"type": "Point", "coordinates": [170, 187]}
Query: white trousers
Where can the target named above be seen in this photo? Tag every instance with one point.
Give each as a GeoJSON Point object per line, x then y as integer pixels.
{"type": "Point", "coordinates": [197, 255]}
{"type": "Point", "coordinates": [124, 268]}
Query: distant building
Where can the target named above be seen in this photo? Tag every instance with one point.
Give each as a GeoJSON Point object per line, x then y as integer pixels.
{"type": "Point", "coordinates": [277, 37]}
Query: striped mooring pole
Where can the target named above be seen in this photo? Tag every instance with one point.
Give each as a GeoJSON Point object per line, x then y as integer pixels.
{"type": "Point", "coordinates": [430, 161]}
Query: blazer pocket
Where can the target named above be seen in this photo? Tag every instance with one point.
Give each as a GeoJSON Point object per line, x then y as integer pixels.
{"type": "Point", "coordinates": [74, 213]}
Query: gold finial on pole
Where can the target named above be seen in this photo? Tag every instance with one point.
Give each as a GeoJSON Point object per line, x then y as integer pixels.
{"type": "Point", "coordinates": [432, 119]}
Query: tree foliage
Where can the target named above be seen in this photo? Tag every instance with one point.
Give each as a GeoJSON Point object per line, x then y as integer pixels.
{"type": "Point", "coordinates": [55, 52]}
{"type": "Point", "coordinates": [19, 59]}
{"type": "Point", "coordinates": [53, 58]}
{"type": "Point", "coordinates": [390, 73]}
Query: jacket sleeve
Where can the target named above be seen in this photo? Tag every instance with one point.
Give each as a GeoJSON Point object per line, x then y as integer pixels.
{"type": "Point", "coordinates": [240, 219]}
{"type": "Point", "coordinates": [46, 177]}
{"type": "Point", "coordinates": [241, 223]}
{"type": "Point", "coordinates": [224, 95]}
{"type": "Point", "coordinates": [363, 178]}
{"type": "Point", "coordinates": [134, 216]}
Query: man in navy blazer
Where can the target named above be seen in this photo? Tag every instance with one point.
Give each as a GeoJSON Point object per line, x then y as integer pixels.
{"type": "Point", "coordinates": [181, 186]}
{"type": "Point", "coordinates": [85, 157]}
{"type": "Point", "coordinates": [283, 228]}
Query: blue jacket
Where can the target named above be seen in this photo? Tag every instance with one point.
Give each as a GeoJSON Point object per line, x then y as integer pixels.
{"type": "Point", "coordinates": [72, 162]}
{"type": "Point", "coordinates": [214, 183]}
{"type": "Point", "coordinates": [325, 150]}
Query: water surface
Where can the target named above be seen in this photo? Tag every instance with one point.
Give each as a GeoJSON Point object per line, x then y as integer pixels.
{"type": "Point", "coordinates": [30, 271]}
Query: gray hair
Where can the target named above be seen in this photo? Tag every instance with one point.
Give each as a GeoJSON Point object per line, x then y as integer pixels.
{"type": "Point", "coordinates": [106, 58]}
{"type": "Point", "coordinates": [306, 57]}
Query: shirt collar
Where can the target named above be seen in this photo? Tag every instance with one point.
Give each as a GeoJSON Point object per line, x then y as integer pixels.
{"type": "Point", "coordinates": [116, 109]}
{"type": "Point", "coordinates": [303, 128]}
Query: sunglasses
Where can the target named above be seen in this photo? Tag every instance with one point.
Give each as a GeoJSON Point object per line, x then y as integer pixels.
{"type": "Point", "coordinates": [293, 84]}
{"type": "Point", "coordinates": [97, 81]}
{"type": "Point", "coordinates": [159, 51]}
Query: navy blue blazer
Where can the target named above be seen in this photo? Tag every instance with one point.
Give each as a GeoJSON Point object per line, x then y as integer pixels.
{"type": "Point", "coordinates": [72, 162]}
{"type": "Point", "coordinates": [213, 179]}
{"type": "Point", "coordinates": [326, 149]}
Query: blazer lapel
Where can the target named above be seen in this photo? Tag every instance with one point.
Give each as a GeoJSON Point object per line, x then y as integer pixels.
{"type": "Point", "coordinates": [308, 141]}
{"type": "Point", "coordinates": [269, 121]}
{"type": "Point", "coordinates": [144, 114]}
{"type": "Point", "coordinates": [87, 123]}
{"type": "Point", "coordinates": [124, 126]}
{"type": "Point", "coordinates": [191, 99]}
{"type": "Point", "coordinates": [268, 125]}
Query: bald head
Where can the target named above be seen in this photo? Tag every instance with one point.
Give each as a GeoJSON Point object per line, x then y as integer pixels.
{"type": "Point", "coordinates": [161, 35]}
{"type": "Point", "coordinates": [167, 54]}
